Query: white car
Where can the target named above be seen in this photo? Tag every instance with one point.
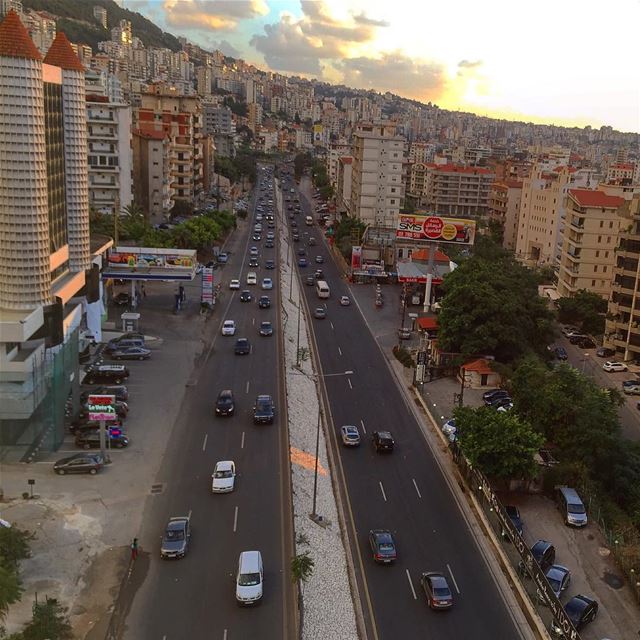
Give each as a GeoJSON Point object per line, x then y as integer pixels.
{"type": "Point", "coordinates": [505, 408]}
{"type": "Point", "coordinates": [449, 430]}
{"type": "Point", "coordinates": [229, 328]}
{"type": "Point", "coordinates": [267, 283]}
{"type": "Point", "coordinates": [224, 477]}
{"type": "Point", "coordinates": [234, 284]}
{"type": "Point", "coordinates": [612, 365]}
{"type": "Point", "coordinates": [252, 278]}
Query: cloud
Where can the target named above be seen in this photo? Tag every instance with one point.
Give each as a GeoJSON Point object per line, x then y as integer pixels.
{"type": "Point", "coordinates": [469, 64]}
{"type": "Point", "coordinates": [212, 14]}
{"type": "Point", "coordinates": [393, 71]}
{"type": "Point", "coordinates": [361, 18]}
{"type": "Point", "coordinates": [225, 46]}
{"type": "Point", "coordinates": [299, 45]}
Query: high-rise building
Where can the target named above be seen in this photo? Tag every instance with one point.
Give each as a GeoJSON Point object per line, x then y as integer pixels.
{"type": "Point", "coordinates": [343, 184]}
{"type": "Point", "coordinates": [204, 80]}
{"type": "Point", "coordinates": [590, 237]}
{"type": "Point", "coordinates": [504, 208]}
{"type": "Point", "coordinates": [377, 190]}
{"type": "Point", "coordinates": [255, 116]}
{"type": "Point", "coordinates": [219, 123]}
{"type": "Point", "coordinates": [152, 173]}
{"type": "Point", "coordinates": [44, 233]}
{"type": "Point", "coordinates": [100, 14]}
{"type": "Point", "coordinates": [122, 34]}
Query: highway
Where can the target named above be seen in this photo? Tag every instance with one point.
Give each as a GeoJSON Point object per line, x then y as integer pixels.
{"type": "Point", "coordinates": [404, 492]}
{"type": "Point", "coordinates": [194, 597]}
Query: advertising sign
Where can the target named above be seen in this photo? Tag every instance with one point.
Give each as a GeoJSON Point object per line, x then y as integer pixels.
{"type": "Point", "coordinates": [436, 229]}
{"type": "Point", "coordinates": [207, 286]}
{"type": "Point", "coordinates": [356, 258]}
{"type": "Point", "coordinates": [102, 407]}
{"type": "Point", "coordinates": [140, 258]}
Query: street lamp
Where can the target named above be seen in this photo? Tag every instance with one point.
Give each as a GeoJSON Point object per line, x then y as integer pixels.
{"type": "Point", "coordinates": [315, 377]}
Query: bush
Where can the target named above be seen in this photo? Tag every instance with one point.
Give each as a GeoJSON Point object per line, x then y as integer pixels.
{"type": "Point", "coordinates": [403, 356]}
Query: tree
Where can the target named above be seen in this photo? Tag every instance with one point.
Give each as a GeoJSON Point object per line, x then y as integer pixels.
{"type": "Point", "coordinates": [585, 308]}
{"type": "Point", "coordinates": [500, 444]}
{"type": "Point", "coordinates": [491, 306]}
{"type": "Point", "coordinates": [14, 546]}
{"type": "Point", "coordinates": [10, 589]}
{"type": "Point", "coordinates": [49, 622]}
{"type": "Point", "coordinates": [302, 568]}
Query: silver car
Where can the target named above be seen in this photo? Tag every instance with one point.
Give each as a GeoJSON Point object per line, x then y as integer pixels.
{"type": "Point", "coordinates": [350, 435]}
{"type": "Point", "coordinates": [175, 541]}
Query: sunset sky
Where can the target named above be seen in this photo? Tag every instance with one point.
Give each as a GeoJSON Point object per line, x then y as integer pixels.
{"type": "Point", "coordinates": [568, 62]}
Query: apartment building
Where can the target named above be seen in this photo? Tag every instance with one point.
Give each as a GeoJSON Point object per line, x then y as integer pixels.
{"type": "Point", "coordinates": [254, 114]}
{"type": "Point", "coordinates": [204, 80]}
{"type": "Point", "coordinates": [110, 156]}
{"type": "Point", "coordinates": [504, 208]}
{"type": "Point", "coordinates": [335, 151]}
{"type": "Point", "coordinates": [421, 152]}
{"type": "Point", "coordinates": [219, 123]}
{"type": "Point", "coordinates": [180, 118]}
{"type": "Point", "coordinates": [592, 225]}
{"type": "Point", "coordinates": [622, 327]}
{"type": "Point", "coordinates": [44, 244]}
{"type": "Point", "coordinates": [343, 185]}
{"type": "Point", "coordinates": [619, 171]}
{"type": "Point", "coordinates": [152, 174]}
{"type": "Point", "coordinates": [453, 190]}
{"type": "Point", "coordinates": [377, 190]}
{"type": "Point", "coordinates": [100, 15]}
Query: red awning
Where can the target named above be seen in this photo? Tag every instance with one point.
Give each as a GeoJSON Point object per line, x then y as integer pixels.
{"type": "Point", "coordinates": [427, 323]}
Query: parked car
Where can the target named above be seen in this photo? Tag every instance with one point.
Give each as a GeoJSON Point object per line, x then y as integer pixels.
{"type": "Point", "coordinates": [119, 391]}
{"type": "Point", "coordinates": [225, 403]}
{"type": "Point", "coordinates": [581, 610]}
{"type": "Point", "coordinates": [559, 578]}
{"type": "Point", "coordinates": [436, 589]}
{"type": "Point", "coordinates": [122, 299]}
{"type": "Point", "coordinates": [246, 296]}
{"type": "Point", "coordinates": [492, 394]}
{"type": "Point", "coordinates": [586, 343]}
{"type": "Point", "coordinates": [514, 515]}
{"type": "Point", "coordinates": [576, 338]}
{"type": "Point", "coordinates": [350, 436]}
{"type": "Point", "coordinates": [449, 430]}
{"type": "Point", "coordinates": [243, 347]}
{"type": "Point", "coordinates": [223, 479]}
{"type": "Point", "coordinates": [176, 538]}
{"type": "Point", "coordinates": [264, 302]}
{"type": "Point", "coordinates": [569, 329]}
{"type": "Point", "coordinates": [561, 353]}
{"type": "Point", "coordinates": [404, 333]}
{"type": "Point", "coordinates": [544, 554]}
{"type": "Point", "coordinates": [106, 373]}
{"type": "Point", "coordinates": [611, 366]}
{"type": "Point", "coordinates": [383, 441]}
{"type": "Point", "coordinates": [79, 463]}
{"type": "Point", "coordinates": [631, 387]}
{"type": "Point", "coordinates": [605, 352]}
{"type": "Point", "coordinates": [266, 329]}
{"type": "Point", "coordinates": [84, 424]}
{"type": "Point", "coordinates": [501, 401]}
{"type": "Point", "coordinates": [229, 328]}
{"type": "Point", "coordinates": [263, 410]}
{"type": "Point", "coordinates": [91, 439]}
{"type": "Point", "coordinates": [382, 546]}
{"type": "Point", "coordinates": [131, 353]}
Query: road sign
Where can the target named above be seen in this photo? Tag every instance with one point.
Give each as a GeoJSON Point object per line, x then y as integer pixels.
{"type": "Point", "coordinates": [422, 356]}
{"type": "Point", "coordinates": [102, 407]}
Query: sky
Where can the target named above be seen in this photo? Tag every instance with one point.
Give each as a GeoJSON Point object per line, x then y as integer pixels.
{"type": "Point", "coordinates": [564, 62]}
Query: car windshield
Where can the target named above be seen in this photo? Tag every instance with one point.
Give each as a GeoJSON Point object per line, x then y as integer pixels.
{"type": "Point", "coordinates": [249, 579]}
{"type": "Point", "coordinates": [575, 508]}
{"type": "Point", "coordinates": [554, 583]}
{"type": "Point", "coordinates": [442, 592]}
{"type": "Point", "coordinates": [174, 534]}
{"type": "Point", "coordinates": [223, 474]}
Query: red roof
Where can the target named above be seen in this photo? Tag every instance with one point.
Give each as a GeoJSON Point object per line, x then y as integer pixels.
{"type": "Point", "coordinates": [594, 198]}
{"type": "Point", "coordinates": [560, 167]}
{"type": "Point", "coordinates": [427, 323]}
{"type": "Point", "coordinates": [480, 366]}
{"type": "Point", "coordinates": [14, 39]}
{"type": "Point", "coordinates": [423, 254]}
{"type": "Point", "coordinates": [623, 165]}
{"type": "Point", "coordinates": [61, 54]}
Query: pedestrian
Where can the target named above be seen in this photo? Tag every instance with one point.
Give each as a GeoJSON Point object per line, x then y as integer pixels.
{"type": "Point", "coordinates": [134, 549]}
{"type": "Point", "coordinates": [183, 296]}
{"type": "Point", "coordinates": [144, 291]}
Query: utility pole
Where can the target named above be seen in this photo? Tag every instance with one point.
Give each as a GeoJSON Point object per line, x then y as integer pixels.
{"type": "Point", "coordinates": [116, 221]}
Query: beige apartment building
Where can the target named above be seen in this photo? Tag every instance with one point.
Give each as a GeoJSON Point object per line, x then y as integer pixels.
{"type": "Point", "coordinates": [622, 328]}
{"type": "Point", "coordinates": [592, 225]}
{"type": "Point", "coordinates": [377, 190]}
{"type": "Point", "coordinates": [343, 186]}
{"type": "Point", "coordinates": [504, 207]}
{"type": "Point", "coordinates": [152, 173]}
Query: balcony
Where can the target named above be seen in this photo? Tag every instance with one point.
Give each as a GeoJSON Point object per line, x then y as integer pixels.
{"type": "Point", "coordinates": [99, 117]}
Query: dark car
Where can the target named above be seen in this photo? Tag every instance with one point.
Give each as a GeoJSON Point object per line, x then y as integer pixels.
{"type": "Point", "coordinates": [544, 554]}
{"type": "Point", "coordinates": [576, 338]}
{"type": "Point", "coordinates": [605, 352]}
{"type": "Point", "coordinates": [436, 589]}
{"type": "Point", "coordinates": [176, 538]}
{"type": "Point", "coordinates": [266, 329]}
{"type": "Point", "coordinates": [122, 299]}
{"type": "Point", "coordinates": [503, 401]}
{"type": "Point", "coordinates": [311, 242]}
{"type": "Point", "coordinates": [383, 441]}
{"type": "Point", "coordinates": [514, 515]}
{"type": "Point", "coordinates": [263, 410]}
{"type": "Point", "coordinates": [225, 404]}
{"type": "Point", "coordinates": [243, 347]}
{"type": "Point", "coordinates": [302, 262]}
{"type": "Point", "coordinates": [256, 237]}
{"type": "Point", "coordinates": [106, 373]}
{"type": "Point", "coordinates": [131, 353]}
{"type": "Point", "coordinates": [269, 243]}
{"type": "Point", "coordinates": [492, 394]}
{"type": "Point", "coordinates": [319, 259]}
{"type": "Point", "coordinates": [269, 264]}
{"type": "Point", "coordinates": [382, 546]}
{"type": "Point", "coordinates": [253, 262]}
{"type": "Point", "coordinates": [561, 353]}
{"type": "Point", "coordinates": [84, 424]}
{"type": "Point", "coordinates": [119, 391]}
{"type": "Point", "coordinates": [559, 578]}
{"type": "Point", "coordinates": [80, 463]}
{"type": "Point", "coordinates": [91, 439]}
{"type": "Point", "coordinates": [310, 281]}
{"type": "Point", "coordinates": [319, 274]}
{"type": "Point", "coordinates": [586, 343]}
{"type": "Point", "coordinates": [320, 313]}
{"type": "Point", "coordinates": [295, 237]}
{"type": "Point", "coordinates": [581, 610]}
{"type": "Point", "coordinates": [264, 302]}
{"type": "Point", "coordinates": [302, 251]}
{"type": "Point", "coordinates": [131, 335]}
{"type": "Point", "coordinates": [246, 296]}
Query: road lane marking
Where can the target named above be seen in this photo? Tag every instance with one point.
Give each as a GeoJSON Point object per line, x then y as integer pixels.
{"type": "Point", "coordinates": [416, 486]}
{"type": "Point", "coordinates": [331, 325]}
{"type": "Point", "coordinates": [189, 516]}
{"type": "Point", "coordinates": [247, 391]}
{"type": "Point", "coordinates": [349, 381]}
{"type": "Point", "coordinates": [415, 597]}
{"type": "Point", "coordinates": [339, 350]}
{"type": "Point", "coordinates": [242, 441]}
{"type": "Point", "coordinates": [253, 321]}
{"type": "Point", "coordinates": [455, 584]}
{"type": "Point", "coordinates": [204, 444]}
{"type": "Point", "coordinates": [363, 427]}
{"type": "Point", "coordinates": [384, 495]}
{"type": "Point", "coordinates": [235, 523]}
{"type": "Point", "coordinates": [224, 635]}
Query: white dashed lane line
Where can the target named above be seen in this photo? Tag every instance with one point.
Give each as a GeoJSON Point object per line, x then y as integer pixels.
{"type": "Point", "coordinates": [384, 495]}
{"type": "Point", "coordinates": [204, 444]}
{"type": "Point", "coordinates": [416, 486]}
{"type": "Point", "coordinates": [455, 584]}
{"type": "Point", "coordinates": [413, 591]}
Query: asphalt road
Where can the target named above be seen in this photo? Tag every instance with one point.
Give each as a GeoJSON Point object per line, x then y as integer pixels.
{"type": "Point", "coordinates": [195, 597]}
{"type": "Point", "coordinates": [404, 492]}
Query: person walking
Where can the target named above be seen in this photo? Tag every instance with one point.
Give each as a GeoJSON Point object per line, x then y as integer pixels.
{"type": "Point", "coordinates": [144, 291]}
{"type": "Point", "coordinates": [134, 549]}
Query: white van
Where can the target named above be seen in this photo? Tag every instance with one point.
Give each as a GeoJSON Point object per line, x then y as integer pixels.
{"type": "Point", "coordinates": [308, 221]}
{"type": "Point", "coordinates": [250, 578]}
{"type": "Point", "coordinates": [322, 289]}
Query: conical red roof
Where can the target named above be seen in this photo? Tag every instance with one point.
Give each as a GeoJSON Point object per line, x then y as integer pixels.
{"type": "Point", "coordinates": [14, 39]}
{"type": "Point", "coordinates": [61, 54]}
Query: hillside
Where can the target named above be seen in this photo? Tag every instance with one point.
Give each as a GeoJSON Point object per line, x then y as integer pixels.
{"type": "Point", "coordinates": [75, 18]}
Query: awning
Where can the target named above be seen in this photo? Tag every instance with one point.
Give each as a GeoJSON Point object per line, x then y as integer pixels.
{"type": "Point", "coordinates": [427, 323]}
{"type": "Point", "coordinates": [409, 272]}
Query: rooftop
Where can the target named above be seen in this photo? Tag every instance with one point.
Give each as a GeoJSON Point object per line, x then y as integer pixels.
{"type": "Point", "coordinates": [61, 54]}
{"type": "Point", "coordinates": [14, 39]}
{"type": "Point", "coordinates": [595, 198]}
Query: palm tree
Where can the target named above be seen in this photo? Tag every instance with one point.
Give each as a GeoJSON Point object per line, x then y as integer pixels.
{"type": "Point", "coordinates": [302, 568]}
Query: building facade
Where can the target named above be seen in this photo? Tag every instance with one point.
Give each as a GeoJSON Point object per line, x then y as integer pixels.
{"type": "Point", "coordinates": [343, 185]}
{"type": "Point", "coordinates": [152, 174]}
{"type": "Point", "coordinates": [504, 208]}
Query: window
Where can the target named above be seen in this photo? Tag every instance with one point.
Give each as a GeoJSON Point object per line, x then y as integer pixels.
{"type": "Point", "coordinates": [593, 283]}
{"type": "Point", "coordinates": [601, 223]}
{"type": "Point", "coordinates": [599, 238]}
{"type": "Point", "coordinates": [595, 268]}
{"type": "Point", "coordinates": [604, 269]}
{"type": "Point", "coordinates": [611, 224]}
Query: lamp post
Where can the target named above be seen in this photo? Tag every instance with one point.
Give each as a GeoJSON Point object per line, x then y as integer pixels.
{"type": "Point", "coordinates": [315, 377]}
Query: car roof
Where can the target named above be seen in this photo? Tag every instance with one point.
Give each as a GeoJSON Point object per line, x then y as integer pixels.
{"type": "Point", "coordinates": [350, 427]}
{"type": "Point", "coordinates": [541, 546]}
{"type": "Point", "coordinates": [226, 392]}
{"type": "Point", "coordinates": [557, 571]}
{"type": "Point", "coordinates": [263, 397]}
{"type": "Point", "coordinates": [224, 465]}
{"type": "Point", "coordinates": [178, 522]}
{"type": "Point", "coordinates": [385, 435]}
{"type": "Point", "coordinates": [382, 535]}
{"type": "Point", "coordinates": [78, 456]}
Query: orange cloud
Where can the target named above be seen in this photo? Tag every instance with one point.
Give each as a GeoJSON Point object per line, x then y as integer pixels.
{"type": "Point", "coordinates": [212, 14]}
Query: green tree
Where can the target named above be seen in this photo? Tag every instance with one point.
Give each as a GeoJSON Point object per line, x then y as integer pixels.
{"type": "Point", "coordinates": [14, 546]}
{"type": "Point", "coordinates": [49, 622]}
{"type": "Point", "coordinates": [10, 589]}
{"type": "Point", "coordinates": [500, 444]}
{"type": "Point", "coordinates": [586, 308]}
{"type": "Point", "coordinates": [491, 306]}
{"type": "Point", "coordinates": [302, 568]}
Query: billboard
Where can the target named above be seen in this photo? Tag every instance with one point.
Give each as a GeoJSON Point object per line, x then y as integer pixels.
{"type": "Point", "coordinates": [139, 258]}
{"type": "Point", "coordinates": [436, 229]}
{"type": "Point", "coordinates": [207, 286]}
{"type": "Point", "coordinates": [101, 407]}
{"type": "Point", "coordinates": [356, 258]}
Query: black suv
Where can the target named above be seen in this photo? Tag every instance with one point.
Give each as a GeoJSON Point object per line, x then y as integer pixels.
{"type": "Point", "coordinates": [243, 347]}
{"type": "Point", "coordinates": [107, 373]}
{"type": "Point", "coordinates": [120, 392]}
{"type": "Point", "coordinates": [264, 302]}
{"type": "Point", "coordinates": [225, 404]}
{"type": "Point", "coordinates": [383, 441]}
{"type": "Point", "coordinates": [264, 411]}
{"type": "Point", "coordinates": [544, 554]}
{"type": "Point", "coordinates": [91, 439]}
